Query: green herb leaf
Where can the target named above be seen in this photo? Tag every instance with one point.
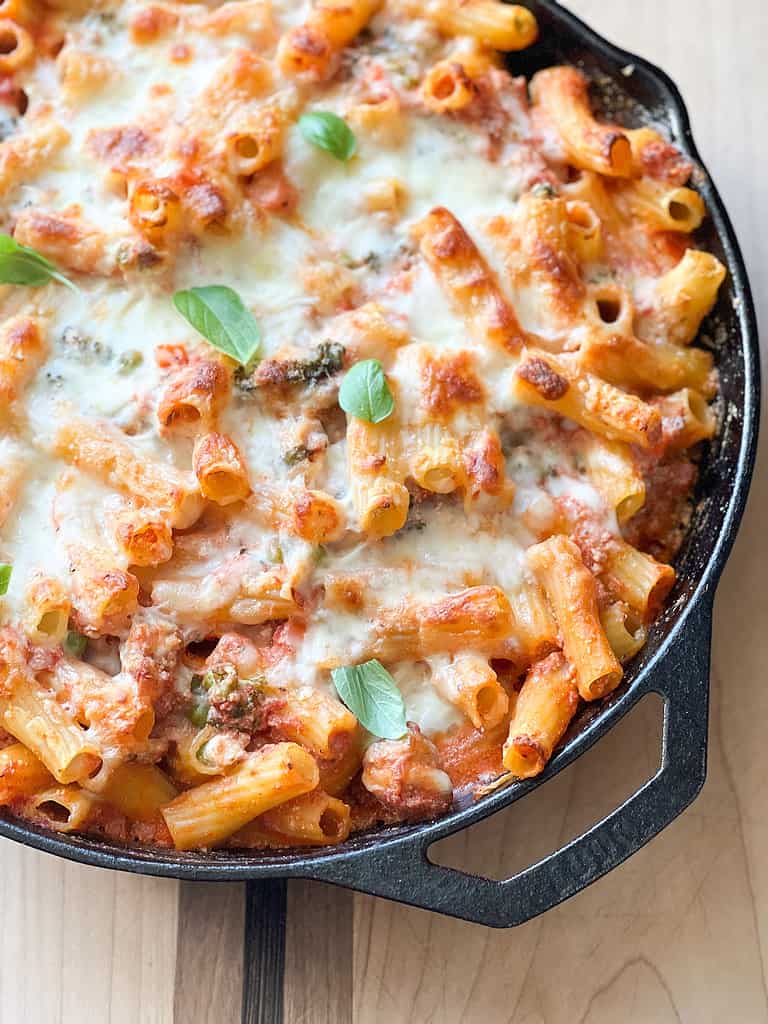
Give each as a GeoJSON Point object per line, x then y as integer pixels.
{"type": "Point", "coordinates": [371, 694]}
{"type": "Point", "coordinates": [329, 132]}
{"type": "Point", "coordinates": [218, 313]}
{"type": "Point", "coordinates": [220, 682]}
{"type": "Point", "coordinates": [198, 714]}
{"type": "Point", "coordinates": [129, 361]}
{"type": "Point", "coordinates": [198, 711]}
{"type": "Point", "coordinates": [296, 455]}
{"type": "Point", "coordinates": [5, 577]}
{"type": "Point", "coordinates": [544, 191]}
{"type": "Point", "coordinates": [75, 643]}
{"type": "Point", "coordinates": [21, 265]}
{"type": "Point", "coordinates": [364, 392]}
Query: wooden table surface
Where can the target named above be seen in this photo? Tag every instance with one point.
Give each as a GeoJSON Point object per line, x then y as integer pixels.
{"type": "Point", "coordinates": [678, 933]}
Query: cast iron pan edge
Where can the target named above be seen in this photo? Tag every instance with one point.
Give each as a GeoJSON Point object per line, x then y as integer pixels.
{"type": "Point", "coordinates": [393, 862]}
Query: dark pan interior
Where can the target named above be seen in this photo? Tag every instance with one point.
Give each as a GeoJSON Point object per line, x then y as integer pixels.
{"type": "Point", "coordinates": [632, 92]}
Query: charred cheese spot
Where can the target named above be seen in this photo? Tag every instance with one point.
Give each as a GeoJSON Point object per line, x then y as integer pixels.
{"type": "Point", "coordinates": [450, 382]}
{"type": "Point", "coordinates": [120, 146]}
{"type": "Point", "coordinates": [540, 375]}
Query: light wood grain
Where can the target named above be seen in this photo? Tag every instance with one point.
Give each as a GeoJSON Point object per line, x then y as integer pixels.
{"type": "Point", "coordinates": [678, 933]}
{"type": "Point", "coordinates": [209, 952]}
{"type": "Point", "coordinates": [320, 920]}
{"type": "Point", "coordinates": [83, 944]}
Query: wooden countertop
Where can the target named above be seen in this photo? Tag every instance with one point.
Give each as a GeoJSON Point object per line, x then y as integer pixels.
{"type": "Point", "coordinates": [678, 933]}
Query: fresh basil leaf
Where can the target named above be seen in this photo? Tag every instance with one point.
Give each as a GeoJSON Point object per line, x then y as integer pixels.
{"type": "Point", "coordinates": [364, 392]}
{"type": "Point", "coordinates": [371, 694]}
{"type": "Point", "coordinates": [5, 577]}
{"type": "Point", "coordinates": [218, 313]}
{"type": "Point", "coordinates": [21, 265]}
{"type": "Point", "coordinates": [75, 643]}
{"type": "Point", "coordinates": [329, 132]}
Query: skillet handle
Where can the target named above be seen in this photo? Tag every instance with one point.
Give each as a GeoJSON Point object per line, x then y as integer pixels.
{"type": "Point", "coordinates": [402, 871]}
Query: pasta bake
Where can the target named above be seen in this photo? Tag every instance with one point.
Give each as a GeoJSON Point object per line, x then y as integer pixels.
{"type": "Point", "coordinates": [350, 411]}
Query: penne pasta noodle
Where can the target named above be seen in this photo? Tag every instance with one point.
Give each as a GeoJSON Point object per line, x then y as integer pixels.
{"type": "Point", "coordinates": [467, 280]}
{"type": "Point", "coordinates": [537, 248]}
{"type": "Point", "coordinates": [17, 46]}
{"type": "Point", "coordinates": [187, 762]}
{"type": "Point", "coordinates": [33, 716]}
{"type": "Point", "coordinates": [369, 332]}
{"type": "Point", "coordinates": [686, 294]}
{"type": "Point", "coordinates": [572, 593]}
{"type": "Point", "coordinates": [155, 210]}
{"type": "Point", "coordinates": [220, 469]}
{"type": "Point", "coordinates": [258, 140]}
{"type": "Point", "coordinates": [318, 722]}
{"type": "Point", "coordinates": [380, 498]}
{"type": "Point", "coordinates": [19, 11]}
{"type": "Point", "coordinates": [139, 791]}
{"type": "Point", "coordinates": [313, 516]}
{"type": "Point", "coordinates": [469, 682]}
{"type": "Point", "coordinates": [315, 819]}
{"type": "Point", "coordinates": [491, 22]}
{"type": "Point", "coordinates": [210, 813]}
{"type": "Point", "coordinates": [555, 384]}
{"type": "Point", "coordinates": [243, 592]}
{"type": "Point", "coordinates": [48, 609]}
{"type": "Point", "coordinates": [143, 535]}
{"type": "Point", "coordinates": [585, 231]}
{"type": "Point", "coordinates": [437, 464]}
{"type": "Point", "coordinates": [23, 349]}
{"type": "Point", "coordinates": [338, 772]}
{"type": "Point", "coordinates": [624, 629]}
{"type": "Point", "coordinates": [613, 470]}
{"type": "Point", "coordinates": [637, 579]}
{"type": "Point", "coordinates": [478, 618]}
{"type": "Point", "coordinates": [252, 18]}
{"type": "Point", "coordinates": [70, 241]}
{"type": "Point", "coordinates": [104, 596]}
{"type": "Point", "coordinates": [535, 629]}
{"type": "Point", "coordinates": [687, 418]}
{"type": "Point", "coordinates": [545, 706]}
{"type": "Point", "coordinates": [562, 95]}
{"type": "Point", "coordinates": [311, 48]}
{"type": "Point", "coordinates": [447, 87]}
{"type": "Point", "coordinates": [111, 708]}
{"type": "Point", "coordinates": [21, 774]}
{"type": "Point", "coordinates": [105, 452]}
{"type": "Point", "coordinates": [627, 362]}
{"type": "Point", "coordinates": [610, 308]}
{"type": "Point", "coordinates": [22, 156]}
{"type": "Point", "coordinates": [82, 74]}
{"type": "Point", "coordinates": [194, 398]}
{"type": "Point", "coordinates": [665, 208]}
{"type": "Point", "coordinates": [64, 808]}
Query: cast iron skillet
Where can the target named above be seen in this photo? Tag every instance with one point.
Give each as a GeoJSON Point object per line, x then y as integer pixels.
{"type": "Point", "coordinates": [393, 862]}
